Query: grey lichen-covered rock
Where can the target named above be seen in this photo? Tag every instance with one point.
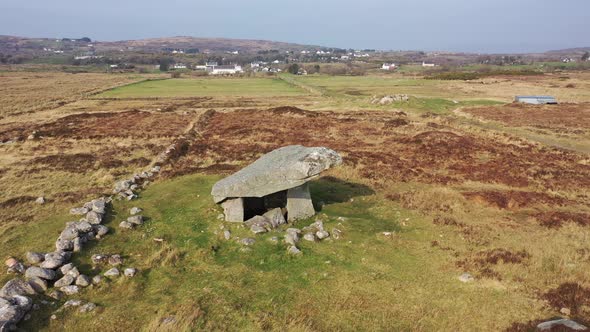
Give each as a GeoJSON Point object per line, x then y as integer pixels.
{"type": "Point", "coordinates": [114, 272]}
{"type": "Point", "coordinates": [100, 230]}
{"type": "Point", "coordinates": [226, 234]}
{"type": "Point", "coordinates": [564, 324]}
{"type": "Point", "coordinates": [126, 225]}
{"type": "Point", "coordinates": [293, 250]}
{"type": "Point", "coordinates": [309, 237]}
{"type": "Point", "coordinates": [73, 303]}
{"type": "Point", "coordinates": [99, 259]}
{"type": "Point", "coordinates": [248, 241]}
{"type": "Point", "coordinates": [54, 260]}
{"type": "Point", "coordinates": [281, 169]}
{"type": "Point", "coordinates": [88, 307]}
{"type": "Point", "coordinates": [80, 211]}
{"type": "Point", "coordinates": [16, 287]}
{"type": "Point", "coordinates": [258, 229]}
{"type": "Point", "coordinates": [136, 220]}
{"type": "Point", "coordinates": [13, 310]}
{"type": "Point", "coordinates": [322, 235]}
{"type": "Point", "coordinates": [66, 268]}
{"type": "Point", "coordinates": [135, 210]}
{"type": "Point", "coordinates": [64, 281]}
{"type": "Point", "coordinates": [70, 290]}
{"type": "Point", "coordinates": [275, 217]}
{"type": "Point", "coordinates": [299, 204]}
{"type": "Point", "coordinates": [130, 272]}
{"type": "Point", "coordinates": [97, 279]}
{"type": "Point", "coordinates": [115, 260]}
{"type": "Point", "coordinates": [38, 284]}
{"type": "Point", "coordinates": [40, 272]}
{"type": "Point", "coordinates": [56, 294]}
{"type": "Point", "coordinates": [83, 281]}
{"type": "Point", "coordinates": [466, 277]}
{"type": "Point", "coordinates": [94, 217]}
{"type": "Point", "coordinates": [34, 257]}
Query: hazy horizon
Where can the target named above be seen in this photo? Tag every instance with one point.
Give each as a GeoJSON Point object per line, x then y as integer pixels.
{"type": "Point", "coordinates": [454, 25]}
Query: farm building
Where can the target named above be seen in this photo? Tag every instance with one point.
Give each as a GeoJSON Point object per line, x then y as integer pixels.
{"type": "Point", "coordinates": [230, 69]}
{"type": "Point", "coordinates": [535, 100]}
{"type": "Point", "coordinates": [388, 66]}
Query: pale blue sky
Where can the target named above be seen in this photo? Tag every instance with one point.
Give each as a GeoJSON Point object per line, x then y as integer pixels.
{"type": "Point", "coordinates": [457, 25]}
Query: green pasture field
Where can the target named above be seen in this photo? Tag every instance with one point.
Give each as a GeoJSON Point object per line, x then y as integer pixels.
{"type": "Point", "coordinates": [200, 87]}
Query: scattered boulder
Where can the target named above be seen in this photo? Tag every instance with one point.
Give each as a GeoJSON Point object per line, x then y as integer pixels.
{"type": "Point", "coordinates": [10, 261]}
{"type": "Point", "coordinates": [18, 268]}
{"type": "Point", "coordinates": [54, 260]}
{"type": "Point", "coordinates": [386, 100]}
{"type": "Point", "coordinates": [135, 220]}
{"type": "Point", "coordinates": [322, 235]}
{"type": "Point", "coordinates": [292, 236]}
{"type": "Point", "coordinates": [126, 225]}
{"type": "Point", "coordinates": [226, 234]}
{"type": "Point", "coordinates": [13, 310]}
{"type": "Point", "coordinates": [80, 211]}
{"type": "Point", "coordinates": [99, 205]}
{"type": "Point", "coordinates": [293, 250]}
{"type": "Point", "coordinates": [99, 259]}
{"type": "Point", "coordinates": [561, 323]}
{"type": "Point", "coordinates": [56, 294]}
{"type": "Point", "coordinates": [66, 268]}
{"type": "Point", "coordinates": [466, 277]}
{"type": "Point", "coordinates": [100, 230]}
{"type": "Point", "coordinates": [70, 289]}
{"type": "Point", "coordinates": [97, 279]}
{"type": "Point", "coordinates": [72, 303]}
{"type": "Point", "coordinates": [130, 272]}
{"type": "Point", "coordinates": [114, 272]}
{"type": "Point", "coordinates": [83, 281]}
{"type": "Point", "coordinates": [16, 287]}
{"type": "Point", "coordinates": [258, 229]}
{"type": "Point", "coordinates": [275, 217]}
{"type": "Point", "coordinates": [309, 237]}
{"type": "Point", "coordinates": [34, 257]}
{"type": "Point", "coordinates": [40, 272]}
{"type": "Point", "coordinates": [40, 200]}
{"type": "Point", "coordinates": [247, 241]}
{"type": "Point", "coordinates": [38, 284]}
{"type": "Point", "coordinates": [135, 210]}
{"type": "Point", "coordinates": [64, 281]}
{"type": "Point", "coordinates": [94, 217]}
{"type": "Point", "coordinates": [83, 226]}
{"type": "Point", "coordinates": [88, 307]}
{"type": "Point", "coordinates": [115, 260]}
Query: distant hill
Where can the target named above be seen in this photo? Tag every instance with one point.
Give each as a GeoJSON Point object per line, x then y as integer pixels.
{"type": "Point", "coordinates": [11, 44]}
{"type": "Point", "coordinates": [571, 50]}
{"type": "Point", "coordinates": [211, 44]}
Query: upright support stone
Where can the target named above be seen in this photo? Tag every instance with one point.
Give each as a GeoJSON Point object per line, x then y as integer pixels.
{"type": "Point", "coordinates": [299, 203]}
{"type": "Point", "coordinates": [233, 209]}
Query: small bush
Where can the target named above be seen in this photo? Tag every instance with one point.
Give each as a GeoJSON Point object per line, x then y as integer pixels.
{"type": "Point", "coordinates": [175, 74]}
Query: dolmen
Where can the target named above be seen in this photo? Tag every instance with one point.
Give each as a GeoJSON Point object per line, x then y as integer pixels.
{"type": "Point", "coordinates": [278, 179]}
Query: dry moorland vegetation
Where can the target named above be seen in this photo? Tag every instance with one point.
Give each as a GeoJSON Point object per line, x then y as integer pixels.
{"type": "Point", "coordinates": [488, 190]}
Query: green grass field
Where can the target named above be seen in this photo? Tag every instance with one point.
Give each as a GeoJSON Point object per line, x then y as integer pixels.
{"type": "Point", "coordinates": [214, 87]}
{"type": "Point", "coordinates": [363, 281]}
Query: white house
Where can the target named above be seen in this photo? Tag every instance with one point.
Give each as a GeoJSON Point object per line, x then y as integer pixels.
{"type": "Point", "coordinates": [200, 67]}
{"type": "Point", "coordinates": [227, 70]}
{"type": "Point", "coordinates": [424, 64]}
{"type": "Point", "coordinates": [179, 66]}
{"type": "Point", "coordinates": [388, 66]}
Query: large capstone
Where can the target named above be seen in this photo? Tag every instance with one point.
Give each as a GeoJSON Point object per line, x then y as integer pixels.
{"type": "Point", "coordinates": [278, 179]}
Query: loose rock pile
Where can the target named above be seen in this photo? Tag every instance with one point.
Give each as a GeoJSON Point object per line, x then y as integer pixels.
{"type": "Point", "coordinates": [273, 219]}
{"type": "Point", "coordinates": [51, 272]}
{"type": "Point", "coordinates": [386, 100]}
